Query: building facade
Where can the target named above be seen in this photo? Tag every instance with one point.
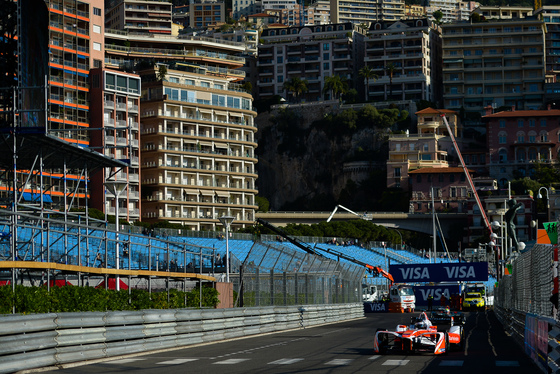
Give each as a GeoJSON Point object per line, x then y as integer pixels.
{"type": "Point", "coordinates": [431, 147]}
{"type": "Point", "coordinates": [366, 11]}
{"type": "Point", "coordinates": [198, 149]}
{"type": "Point", "coordinates": [413, 49]}
{"type": "Point", "coordinates": [519, 139]}
{"type": "Point", "coordinates": [496, 63]}
{"type": "Point", "coordinates": [115, 116]}
{"type": "Point", "coordinates": [311, 53]}
{"type": "Point", "coordinates": [139, 16]}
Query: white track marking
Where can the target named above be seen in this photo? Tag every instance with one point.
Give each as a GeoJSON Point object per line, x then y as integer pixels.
{"type": "Point", "coordinates": [286, 361]}
{"type": "Point", "coordinates": [488, 332]}
{"type": "Point", "coordinates": [177, 361]}
{"type": "Point", "coordinates": [339, 361]}
{"type": "Point", "coordinates": [396, 362]}
{"type": "Point", "coordinates": [231, 361]}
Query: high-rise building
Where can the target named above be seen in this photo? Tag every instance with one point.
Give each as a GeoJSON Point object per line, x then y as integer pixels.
{"type": "Point", "coordinates": [366, 11]}
{"type": "Point", "coordinates": [550, 14]}
{"type": "Point", "coordinates": [198, 148]}
{"type": "Point", "coordinates": [496, 63]}
{"type": "Point", "coordinates": [115, 104]}
{"type": "Point", "coordinates": [405, 56]}
{"type": "Point", "coordinates": [311, 53]}
{"type": "Point", "coordinates": [139, 16]}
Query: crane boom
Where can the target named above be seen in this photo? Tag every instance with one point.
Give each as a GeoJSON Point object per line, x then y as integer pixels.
{"type": "Point", "coordinates": [376, 270]}
{"type": "Point", "coordinates": [467, 175]}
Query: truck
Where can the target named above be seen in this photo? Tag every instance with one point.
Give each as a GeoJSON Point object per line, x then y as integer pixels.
{"type": "Point", "coordinates": [471, 288]}
{"type": "Point", "coordinates": [403, 294]}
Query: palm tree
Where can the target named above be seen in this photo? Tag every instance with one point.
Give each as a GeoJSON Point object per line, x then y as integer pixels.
{"type": "Point", "coordinates": [368, 73]}
{"type": "Point", "coordinates": [296, 86]}
{"type": "Point", "coordinates": [336, 85]}
{"type": "Point", "coordinates": [390, 68]}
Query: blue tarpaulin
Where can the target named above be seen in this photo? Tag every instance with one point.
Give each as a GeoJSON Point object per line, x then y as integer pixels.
{"type": "Point", "coordinates": [36, 197]}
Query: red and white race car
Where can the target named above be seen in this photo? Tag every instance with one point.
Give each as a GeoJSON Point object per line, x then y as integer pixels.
{"type": "Point", "coordinates": [419, 336]}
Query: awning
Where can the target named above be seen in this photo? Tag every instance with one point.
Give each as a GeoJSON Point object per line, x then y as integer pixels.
{"type": "Point", "coordinates": [36, 197]}
{"type": "Point", "coordinates": [220, 145]}
{"type": "Point", "coordinates": [220, 113]}
{"type": "Point", "coordinates": [209, 144]}
{"type": "Point", "coordinates": [192, 192]}
{"type": "Point", "coordinates": [222, 193]}
{"type": "Point", "coordinates": [234, 114]}
{"type": "Point", "coordinates": [206, 193]}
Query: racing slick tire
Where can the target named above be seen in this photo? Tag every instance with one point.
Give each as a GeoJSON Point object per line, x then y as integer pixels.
{"type": "Point", "coordinates": [446, 343]}
{"type": "Point", "coordinates": [383, 342]}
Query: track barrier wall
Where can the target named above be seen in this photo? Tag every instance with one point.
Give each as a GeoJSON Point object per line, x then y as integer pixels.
{"type": "Point", "coordinates": [54, 339]}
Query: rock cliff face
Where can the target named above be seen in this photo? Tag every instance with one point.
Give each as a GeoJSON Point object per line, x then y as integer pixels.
{"type": "Point", "coordinates": [301, 162]}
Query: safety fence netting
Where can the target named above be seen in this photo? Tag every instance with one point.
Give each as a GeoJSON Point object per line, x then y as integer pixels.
{"type": "Point", "coordinates": [273, 274]}
{"type": "Point", "coordinates": [530, 286]}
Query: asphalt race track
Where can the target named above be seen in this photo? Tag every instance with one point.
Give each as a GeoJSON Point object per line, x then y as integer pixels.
{"type": "Point", "coordinates": [337, 348]}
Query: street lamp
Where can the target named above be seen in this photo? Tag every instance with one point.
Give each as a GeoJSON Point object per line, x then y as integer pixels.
{"type": "Point", "coordinates": [116, 188]}
{"type": "Point", "coordinates": [226, 222]}
{"type": "Point", "coordinates": [547, 202]}
{"type": "Point", "coordinates": [497, 225]}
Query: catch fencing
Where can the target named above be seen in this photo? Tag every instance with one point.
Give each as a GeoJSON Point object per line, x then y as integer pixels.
{"type": "Point", "coordinates": [523, 306]}
{"type": "Point", "coordinates": [274, 274]}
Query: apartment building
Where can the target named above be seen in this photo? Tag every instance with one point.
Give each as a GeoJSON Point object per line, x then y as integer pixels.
{"type": "Point", "coordinates": [311, 53]}
{"type": "Point", "coordinates": [139, 16]}
{"type": "Point", "coordinates": [366, 11]}
{"type": "Point", "coordinates": [550, 14]}
{"type": "Point", "coordinates": [518, 139]}
{"type": "Point", "coordinates": [321, 12]}
{"type": "Point", "coordinates": [430, 147]}
{"type": "Point", "coordinates": [203, 13]}
{"type": "Point", "coordinates": [241, 9]}
{"type": "Point", "coordinates": [503, 12]}
{"type": "Point", "coordinates": [198, 148]}
{"type": "Point", "coordinates": [496, 63]}
{"type": "Point", "coordinates": [75, 46]}
{"type": "Point", "coordinates": [131, 52]}
{"type": "Point", "coordinates": [115, 104]}
{"type": "Point", "coordinates": [413, 49]}
{"type": "Point", "coordinates": [446, 187]}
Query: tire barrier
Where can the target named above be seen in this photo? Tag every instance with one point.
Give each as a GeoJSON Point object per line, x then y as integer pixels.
{"type": "Point", "coordinates": [55, 339]}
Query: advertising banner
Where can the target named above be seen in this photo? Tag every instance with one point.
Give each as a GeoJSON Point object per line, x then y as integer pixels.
{"type": "Point", "coordinates": [376, 307]}
{"type": "Point", "coordinates": [440, 293]}
{"type": "Point", "coordinates": [455, 272]}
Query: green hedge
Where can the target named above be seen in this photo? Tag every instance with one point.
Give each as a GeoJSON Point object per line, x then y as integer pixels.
{"type": "Point", "coordinates": [88, 299]}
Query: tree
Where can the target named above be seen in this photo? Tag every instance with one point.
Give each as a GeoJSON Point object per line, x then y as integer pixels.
{"type": "Point", "coordinates": [438, 15]}
{"type": "Point", "coordinates": [336, 85]}
{"type": "Point", "coordinates": [161, 72]}
{"type": "Point", "coordinates": [390, 68]}
{"type": "Point", "coordinates": [296, 86]}
{"type": "Point", "coordinates": [368, 73]}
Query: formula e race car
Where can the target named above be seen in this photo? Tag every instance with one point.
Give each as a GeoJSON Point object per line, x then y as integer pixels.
{"type": "Point", "coordinates": [419, 336]}
{"type": "Point", "coordinates": [445, 316]}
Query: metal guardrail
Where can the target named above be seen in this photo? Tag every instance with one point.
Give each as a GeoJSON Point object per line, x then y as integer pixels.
{"type": "Point", "coordinates": [43, 340]}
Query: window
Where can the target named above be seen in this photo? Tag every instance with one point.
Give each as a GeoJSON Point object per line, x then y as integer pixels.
{"type": "Point", "coordinates": [97, 29]}
{"type": "Point", "coordinates": [543, 122]}
{"type": "Point", "coordinates": [418, 178]}
{"type": "Point", "coordinates": [531, 123]}
{"type": "Point", "coordinates": [397, 172]}
{"type": "Point", "coordinates": [451, 178]}
{"type": "Point", "coordinates": [96, 11]}
{"type": "Point", "coordinates": [326, 56]}
{"type": "Point", "coordinates": [440, 177]}
{"type": "Point", "coordinates": [326, 66]}
{"type": "Point", "coordinates": [520, 123]}
{"type": "Point", "coordinates": [502, 123]}
{"type": "Point", "coordinates": [96, 46]}
{"type": "Point", "coordinates": [280, 59]}
{"type": "Point", "coordinates": [326, 46]}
